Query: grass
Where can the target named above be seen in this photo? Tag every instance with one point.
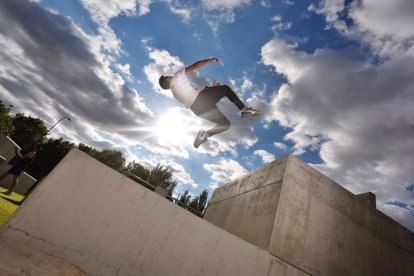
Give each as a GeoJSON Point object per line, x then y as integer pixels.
{"type": "Point", "coordinates": [7, 208]}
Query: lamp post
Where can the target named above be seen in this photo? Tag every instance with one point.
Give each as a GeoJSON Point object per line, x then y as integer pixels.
{"type": "Point", "coordinates": [56, 124]}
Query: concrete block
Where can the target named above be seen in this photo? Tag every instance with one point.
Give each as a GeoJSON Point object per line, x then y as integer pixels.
{"type": "Point", "coordinates": [7, 146]}
{"type": "Point", "coordinates": [250, 215]}
{"type": "Point", "coordinates": [316, 224]}
{"type": "Point", "coordinates": [369, 198]}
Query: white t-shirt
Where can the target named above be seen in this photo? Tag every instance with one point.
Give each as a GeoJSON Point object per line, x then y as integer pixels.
{"type": "Point", "coordinates": [182, 89]}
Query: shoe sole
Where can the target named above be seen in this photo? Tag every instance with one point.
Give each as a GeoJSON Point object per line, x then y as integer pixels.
{"type": "Point", "coordinates": [251, 115]}
{"type": "Point", "coordinates": [198, 135]}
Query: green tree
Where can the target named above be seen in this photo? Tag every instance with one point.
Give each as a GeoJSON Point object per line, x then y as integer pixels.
{"type": "Point", "coordinates": [111, 158]}
{"type": "Point", "coordinates": [162, 175]}
{"type": "Point", "coordinates": [88, 150]}
{"type": "Point", "coordinates": [28, 130]}
{"type": "Point", "coordinates": [184, 199]}
{"type": "Point", "coordinates": [6, 120]}
{"type": "Point", "coordinates": [50, 154]}
{"type": "Point", "coordinates": [137, 169]}
{"type": "Point", "coordinates": [158, 176]}
{"type": "Point", "coordinates": [171, 188]}
{"type": "Point", "coordinates": [198, 204]}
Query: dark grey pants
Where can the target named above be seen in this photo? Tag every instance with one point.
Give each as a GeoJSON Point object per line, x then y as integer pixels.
{"type": "Point", "coordinates": [205, 107]}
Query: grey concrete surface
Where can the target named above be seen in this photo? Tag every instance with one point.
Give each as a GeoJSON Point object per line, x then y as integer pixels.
{"type": "Point", "coordinates": [312, 222]}
{"type": "Point", "coordinates": [16, 259]}
{"type": "Point", "coordinates": [7, 146]}
{"type": "Point", "coordinates": [91, 219]}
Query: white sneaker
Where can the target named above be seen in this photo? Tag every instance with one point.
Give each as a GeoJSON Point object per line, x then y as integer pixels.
{"type": "Point", "coordinates": [249, 112]}
{"type": "Point", "coordinates": [201, 138]}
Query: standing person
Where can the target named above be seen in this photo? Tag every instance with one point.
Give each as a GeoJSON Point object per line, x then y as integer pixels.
{"type": "Point", "coordinates": [23, 161]}
{"type": "Point", "coordinates": [202, 101]}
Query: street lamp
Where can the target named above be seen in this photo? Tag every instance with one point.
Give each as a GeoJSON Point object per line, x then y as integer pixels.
{"type": "Point", "coordinates": [56, 124]}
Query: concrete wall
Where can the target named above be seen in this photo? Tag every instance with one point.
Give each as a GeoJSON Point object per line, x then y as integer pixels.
{"type": "Point", "coordinates": [7, 146]}
{"type": "Point", "coordinates": [247, 206]}
{"type": "Point", "coordinates": [315, 224]}
{"type": "Point", "coordinates": [101, 222]}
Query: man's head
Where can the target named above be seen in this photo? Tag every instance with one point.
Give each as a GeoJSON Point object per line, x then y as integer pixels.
{"type": "Point", "coordinates": [165, 82]}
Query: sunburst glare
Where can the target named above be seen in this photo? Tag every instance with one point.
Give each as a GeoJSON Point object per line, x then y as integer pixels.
{"type": "Point", "coordinates": [174, 128]}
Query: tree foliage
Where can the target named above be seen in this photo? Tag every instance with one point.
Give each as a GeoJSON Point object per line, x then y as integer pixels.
{"type": "Point", "coordinates": [137, 169]}
{"type": "Point", "coordinates": [6, 120]}
{"type": "Point", "coordinates": [161, 176]}
{"type": "Point", "coordinates": [87, 149]}
{"type": "Point", "coordinates": [198, 204]}
{"type": "Point", "coordinates": [28, 130]}
{"type": "Point", "coordinates": [111, 158]}
{"type": "Point", "coordinates": [51, 152]}
{"type": "Point", "coordinates": [184, 199]}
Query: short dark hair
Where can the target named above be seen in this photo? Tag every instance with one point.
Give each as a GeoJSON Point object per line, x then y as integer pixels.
{"type": "Point", "coordinates": [164, 83]}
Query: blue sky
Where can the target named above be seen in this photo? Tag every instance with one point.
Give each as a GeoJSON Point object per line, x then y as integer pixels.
{"type": "Point", "coordinates": [333, 78]}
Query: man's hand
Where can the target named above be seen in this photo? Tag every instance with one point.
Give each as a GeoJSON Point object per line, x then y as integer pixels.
{"type": "Point", "coordinates": [214, 59]}
{"type": "Point", "coordinates": [17, 152]}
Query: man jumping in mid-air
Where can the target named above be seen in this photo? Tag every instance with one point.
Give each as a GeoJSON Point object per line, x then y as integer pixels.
{"type": "Point", "coordinates": [202, 101]}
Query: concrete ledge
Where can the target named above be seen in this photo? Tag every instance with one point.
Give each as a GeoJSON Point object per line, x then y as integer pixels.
{"type": "Point", "coordinates": [369, 198]}
{"type": "Point", "coordinates": [269, 174]}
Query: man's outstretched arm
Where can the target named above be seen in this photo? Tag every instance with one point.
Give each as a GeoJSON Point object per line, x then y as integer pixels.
{"type": "Point", "coordinates": [199, 64]}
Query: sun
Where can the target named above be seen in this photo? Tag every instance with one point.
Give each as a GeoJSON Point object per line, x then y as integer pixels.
{"type": "Point", "coordinates": [174, 128]}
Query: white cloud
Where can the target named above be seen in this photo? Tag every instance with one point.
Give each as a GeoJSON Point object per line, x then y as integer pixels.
{"type": "Point", "coordinates": [288, 2]}
{"type": "Point", "coordinates": [180, 173]}
{"type": "Point", "coordinates": [184, 13]}
{"type": "Point", "coordinates": [144, 6]}
{"type": "Point", "coordinates": [246, 85]}
{"type": "Point", "coordinates": [266, 156]}
{"type": "Point", "coordinates": [281, 146]}
{"type": "Point", "coordinates": [383, 25]}
{"type": "Point", "coordinates": [224, 171]}
{"type": "Point", "coordinates": [222, 11]}
{"type": "Point", "coordinates": [225, 4]}
{"type": "Point", "coordinates": [400, 214]}
{"type": "Point", "coordinates": [242, 85]}
{"type": "Point", "coordinates": [102, 11]}
{"type": "Point", "coordinates": [266, 3]}
{"type": "Point", "coordinates": [125, 69]}
{"type": "Point", "coordinates": [279, 25]}
{"type": "Point", "coordinates": [357, 114]}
